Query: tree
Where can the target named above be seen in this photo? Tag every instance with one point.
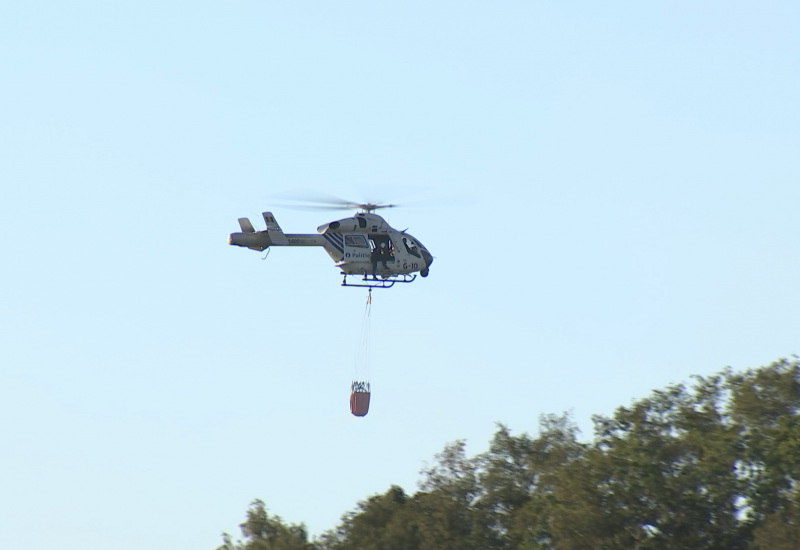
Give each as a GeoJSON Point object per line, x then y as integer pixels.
{"type": "Point", "coordinates": [517, 480]}
{"type": "Point", "coordinates": [264, 532]}
{"type": "Point", "coordinates": [780, 529]}
{"type": "Point", "coordinates": [764, 407]}
{"type": "Point", "coordinates": [442, 516]}
{"type": "Point", "coordinates": [379, 522]}
{"type": "Point", "coordinates": [452, 515]}
{"type": "Point", "coordinates": [659, 475]}
{"type": "Point", "coordinates": [710, 466]}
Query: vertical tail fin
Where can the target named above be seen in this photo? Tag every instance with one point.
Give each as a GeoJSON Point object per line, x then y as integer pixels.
{"type": "Point", "coordinates": [274, 230]}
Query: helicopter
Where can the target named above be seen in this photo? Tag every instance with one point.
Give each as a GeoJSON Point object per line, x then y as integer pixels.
{"type": "Point", "coordinates": [363, 245]}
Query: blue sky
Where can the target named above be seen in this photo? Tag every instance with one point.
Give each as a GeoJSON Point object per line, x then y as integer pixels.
{"type": "Point", "coordinates": [610, 193]}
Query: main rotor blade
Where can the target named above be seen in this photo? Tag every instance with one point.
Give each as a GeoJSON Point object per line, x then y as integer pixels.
{"type": "Point", "coordinates": [312, 197]}
{"type": "Point", "coordinates": [318, 201]}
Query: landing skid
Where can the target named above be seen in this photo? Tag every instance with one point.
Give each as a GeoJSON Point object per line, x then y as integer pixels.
{"type": "Point", "coordinates": [377, 281]}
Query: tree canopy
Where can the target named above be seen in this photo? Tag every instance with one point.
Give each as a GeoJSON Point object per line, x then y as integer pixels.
{"type": "Point", "coordinates": [712, 465]}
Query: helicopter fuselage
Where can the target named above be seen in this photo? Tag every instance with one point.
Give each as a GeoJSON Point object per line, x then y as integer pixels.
{"type": "Point", "coordinates": [360, 245]}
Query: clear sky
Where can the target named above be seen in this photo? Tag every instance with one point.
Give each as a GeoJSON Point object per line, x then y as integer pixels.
{"type": "Point", "coordinates": [610, 190]}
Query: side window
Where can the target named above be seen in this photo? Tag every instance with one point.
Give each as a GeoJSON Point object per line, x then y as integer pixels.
{"type": "Point", "coordinates": [358, 241]}
{"type": "Point", "coordinates": [362, 223]}
{"type": "Point", "coordinates": [411, 247]}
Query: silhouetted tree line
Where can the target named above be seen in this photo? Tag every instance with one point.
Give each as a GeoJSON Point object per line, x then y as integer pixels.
{"type": "Point", "coordinates": [714, 465]}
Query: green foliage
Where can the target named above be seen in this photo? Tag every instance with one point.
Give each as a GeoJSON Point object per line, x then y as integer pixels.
{"type": "Point", "coordinates": [780, 529]}
{"type": "Point", "coordinates": [379, 522]}
{"type": "Point", "coordinates": [659, 475]}
{"type": "Point", "coordinates": [518, 480]}
{"type": "Point", "coordinates": [265, 532]}
{"type": "Point", "coordinates": [764, 407]}
{"type": "Point", "coordinates": [714, 465]}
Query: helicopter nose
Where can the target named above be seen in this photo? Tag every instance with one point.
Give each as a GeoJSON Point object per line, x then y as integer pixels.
{"type": "Point", "coordinates": [427, 257]}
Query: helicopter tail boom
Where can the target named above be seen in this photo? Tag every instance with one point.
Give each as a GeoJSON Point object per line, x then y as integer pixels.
{"type": "Point", "coordinates": [272, 236]}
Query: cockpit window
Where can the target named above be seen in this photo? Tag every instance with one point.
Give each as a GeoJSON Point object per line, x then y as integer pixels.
{"type": "Point", "coordinates": [358, 241]}
{"type": "Point", "coordinates": [411, 247]}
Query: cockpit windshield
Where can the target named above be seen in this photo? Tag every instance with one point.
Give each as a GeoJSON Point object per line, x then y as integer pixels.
{"type": "Point", "coordinates": [411, 246]}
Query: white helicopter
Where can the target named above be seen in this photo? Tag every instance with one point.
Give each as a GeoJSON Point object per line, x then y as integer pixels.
{"type": "Point", "coordinates": [363, 245]}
